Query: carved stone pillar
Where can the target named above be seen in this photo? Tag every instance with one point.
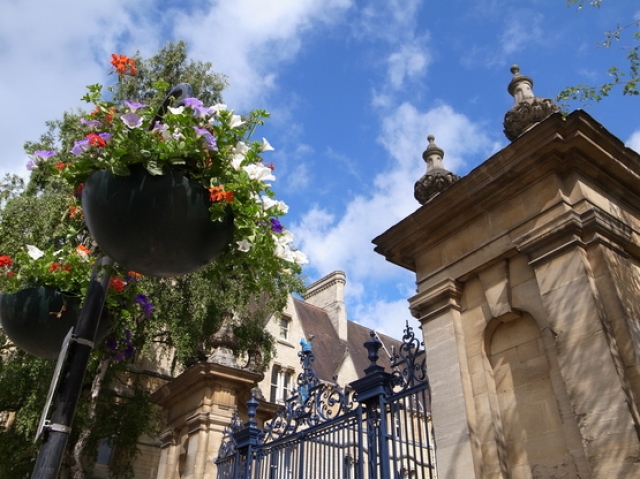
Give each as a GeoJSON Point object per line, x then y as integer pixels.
{"type": "Point", "coordinates": [199, 405]}
{"type": "Point", "coordinates": [438, 310]}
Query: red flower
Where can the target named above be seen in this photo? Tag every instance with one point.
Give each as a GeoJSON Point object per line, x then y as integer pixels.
{"type": "Point", "coordinates": [95, 140]}
{"type": "Point", "coordinates": [5, 261]}
{"type": "Point", "coordinates": [117, 284]}
{"type": "Point", "coordinates": [10, 274]}
{"type": "Point", "coordinates": [60, 165]}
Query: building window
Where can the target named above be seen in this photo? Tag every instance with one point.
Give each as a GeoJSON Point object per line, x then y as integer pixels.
{"type": "Point", "coordinates": [285, 323]}
{"type": "Point", "coordinates": [105, 451]}
{"type": "Point", "coordinates": [280, 383]}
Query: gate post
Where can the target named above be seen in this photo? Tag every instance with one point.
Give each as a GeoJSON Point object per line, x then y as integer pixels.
{"type": "Point", "coordinates": [371, 391]}
{"type": "Point", "coordinates": [247, 439]}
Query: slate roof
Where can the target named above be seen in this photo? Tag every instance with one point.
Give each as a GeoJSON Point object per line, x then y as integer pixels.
{"type": "Point", "coordinates": [330, 351]}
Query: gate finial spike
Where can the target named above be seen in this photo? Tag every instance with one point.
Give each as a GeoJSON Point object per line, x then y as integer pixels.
{"type": "Point", "coordinates": [252, 407]}
{"type": "Point", "coordinates": [373, 345]}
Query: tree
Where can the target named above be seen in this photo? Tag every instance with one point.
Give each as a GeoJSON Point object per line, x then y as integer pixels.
{"type": "Point", "coordinates": [626, 78]}
{"type": "Point", "coordinates": [187, 310]}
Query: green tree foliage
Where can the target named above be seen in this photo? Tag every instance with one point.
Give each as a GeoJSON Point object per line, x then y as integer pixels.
{"type": "Point", "coordinates": [116, 405]}
{"type": "Point", "coordinates": [625, 77]}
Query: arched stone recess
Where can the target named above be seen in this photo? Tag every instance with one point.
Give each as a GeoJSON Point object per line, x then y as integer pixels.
{"type": "Point", "coordinates": [529, 432]}
{"type": "Point", "coordinates": [523, 424]}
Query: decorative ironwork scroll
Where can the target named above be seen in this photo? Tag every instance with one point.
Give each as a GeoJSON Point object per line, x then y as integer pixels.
{"type": "Point", "coordinates": [311, 403]}
{"type": "Point", "coordinates": [409, 363]}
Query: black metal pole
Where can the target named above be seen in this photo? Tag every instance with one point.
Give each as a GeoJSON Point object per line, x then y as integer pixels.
{"type": "Point", "coordinates": [56, 433]}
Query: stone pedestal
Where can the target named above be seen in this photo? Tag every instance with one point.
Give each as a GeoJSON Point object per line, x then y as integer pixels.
{"type": "Point", "coordinates": [528, 291]}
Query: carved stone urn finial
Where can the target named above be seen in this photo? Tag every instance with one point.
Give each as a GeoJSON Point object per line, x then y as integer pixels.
{"type": "Point", "coordinates": [437, 178]}
{"type": "Point", "coordinates": [527, 109]}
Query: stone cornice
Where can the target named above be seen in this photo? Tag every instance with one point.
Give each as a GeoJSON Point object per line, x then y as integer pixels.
{"type": "Point", "coordinates": [203, 375]}
{"type": "Point", "coordinates": [574, 229]}
{"type": "Point", "coordinates": [435, 301]}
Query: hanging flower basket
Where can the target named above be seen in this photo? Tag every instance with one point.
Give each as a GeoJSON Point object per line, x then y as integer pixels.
{"type": "Point", "coordinates": [38, 319]}
{"type": "Point", "coordinates": [156, 225]}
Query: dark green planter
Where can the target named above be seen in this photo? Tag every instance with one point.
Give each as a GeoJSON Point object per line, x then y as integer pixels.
{"type": "Point", "coordinates": [30, 319]}
{"type": "Point", "coordinates": [153, 225]}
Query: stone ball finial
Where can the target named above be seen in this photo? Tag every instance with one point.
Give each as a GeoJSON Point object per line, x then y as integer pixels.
{"type": "Point", "coordinates": [527, 109]}
{"type": "Point", "coordinates": [437, 178]}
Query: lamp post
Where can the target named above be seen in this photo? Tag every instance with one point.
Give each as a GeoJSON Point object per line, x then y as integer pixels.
{"type": "Point", "coordinates": [57, 430]}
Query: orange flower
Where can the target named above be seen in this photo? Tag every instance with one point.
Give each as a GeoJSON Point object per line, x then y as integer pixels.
{"type": "Point", "coordinates": [117, 284]}
{"type": "Point", "coordinates": [109, 116]}
{"type": "Point", "coordinates": [58, 266]}
{"type": "Point", "coordinates": [133, 274]}
{"type": "Point", "coordinates": [74, 211]}
{"type": "Point", "coordinates": [83, 252]}
{"type": "Point", "coordinates": [218, 193]}
{"type": "Point", "coordinates": [123, 64]}
{"type": "Point", "coordinates": [60, 165]}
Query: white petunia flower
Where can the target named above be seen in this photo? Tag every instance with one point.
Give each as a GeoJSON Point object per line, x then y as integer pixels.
{"type": "Point", "coordinates": [34, 253]}
{"type": "Point", "coordinates": [236, 121]}
{"type": "Point", "coordinates": [176, 110]}
{"type": "Point", "coordinates": [280, 206]}
{"type": "Point", "coordinates": [299, 257]}
{"type": "Point", "coordinates": [266, 146]}
{"type": "Point", "coordinates": [243, 245]}
{"type": "Point", "coordinates": [259, 172]}
{"type": "Point", "coordinates": [218, 107]}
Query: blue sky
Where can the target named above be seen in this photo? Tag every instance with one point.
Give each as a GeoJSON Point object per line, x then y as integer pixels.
{"type": "Point", "coordinates": [353, 86]}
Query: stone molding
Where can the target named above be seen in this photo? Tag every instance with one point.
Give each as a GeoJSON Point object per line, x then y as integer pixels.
{"type": "Point", "coordinates": [199, 421]}
{"type": "Point", "coordinates": [168, 437]}
{"type": "Point", "coordinates": [436, 301]}
{"type": "Point", "coordinates": [572, 228]}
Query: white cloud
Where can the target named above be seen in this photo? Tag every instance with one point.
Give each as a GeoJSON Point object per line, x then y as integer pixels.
{"type": "Point", "coordinates": [634, 141]}
{"type": "Point", "coordinates": [408, 63]}
{"type": "Point", "coordinates": [387, 317]}
{"type": "Point", "coordinates": [249, 39]}
{"type": "Point", "coordinates": [521, 30]}
{"type": "Point", "coordinates": [344, 242]}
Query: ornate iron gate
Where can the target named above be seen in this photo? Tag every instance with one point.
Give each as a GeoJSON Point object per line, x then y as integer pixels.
{"type": "Point", "coordinates": [376, 428]}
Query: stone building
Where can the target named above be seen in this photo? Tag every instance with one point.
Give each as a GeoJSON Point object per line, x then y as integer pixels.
{"type": "Point", "coordinates": [528, 292]}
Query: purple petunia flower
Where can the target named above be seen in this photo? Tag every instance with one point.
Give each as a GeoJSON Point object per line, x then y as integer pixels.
{"type": "Point", "coordinates": [133, 106]}
{"type": "Point", "coordinates": [145, 304]}
{"type": "Point", "coordinates": [132, 120]}
{"type": "Point", "coordinates": [276, 226]}
{"type": "Point", "coordinates": [80, 146]}
{"type": "Point", "coordinates": [90, 123]}
{"type": "Point", "coordinates": [193, 102]}
{"type": "Point", "coordinates": [202, 112]}
{"type": "Point", "coordinates": [201, 131]}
